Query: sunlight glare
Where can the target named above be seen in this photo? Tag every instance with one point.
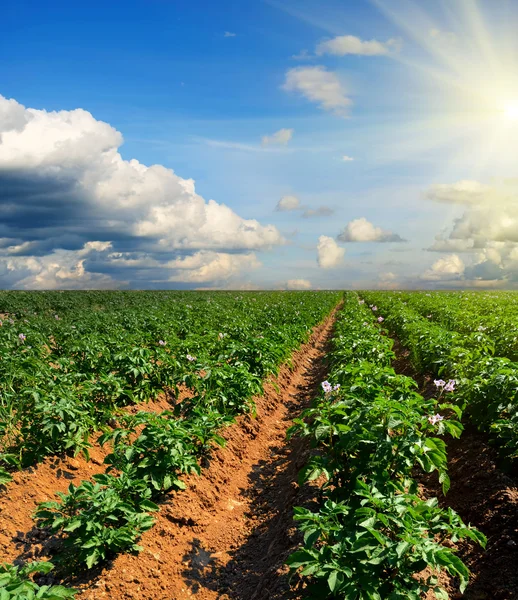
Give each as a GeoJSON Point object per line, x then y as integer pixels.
{"type": "Point", "coordinates": [511, 111]}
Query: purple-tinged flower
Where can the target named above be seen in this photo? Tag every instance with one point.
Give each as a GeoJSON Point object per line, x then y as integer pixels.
{"type": "Point", "coordinates": [336, 387]}
{"type": "Point", "coordinates": [380, 319]}
{"type": "Point", "coordinates": [190, 358]}
{"type": "Point", "coordinates": [326, 386]}
{"type": "Point", "coordinates": [433, 419]}
{"type": "Point", "coordinates": [439, 383]}
{"type": "Point", "coordinates": [450, 386]}
{"type": "Point", "coordinates": [374, 308]}
{"type": "Point", "coordinates": [361, 301]}
{"type": "Point", "coordinates": [22, 337]}
{"type": "Point", "coordinates": [161, 343]}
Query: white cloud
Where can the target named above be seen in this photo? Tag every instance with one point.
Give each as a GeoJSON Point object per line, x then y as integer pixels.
{"type": "Point", "coordinates": [62, 170]}
{"type": "Point", "coordinates": [211, 266]}
{"type": "Point", "coordinates": [350, 44]}
{"type": "Point", "coordinates": [281, 137]}
{"type": "Point", "coordinates": [388, 281]}
{"type": "Point", "coordinates": [443, 244]}
{"type": "Point", "coordinates": [491, 215]}
{"type": "Point", "coordinates": [329, 253]}
{"type": "Point", "coordinates": [320, 86]}
{"type": "Point", "coordinates": [361, 230]}
{"type": "Point", "coordinates": [298, 284]}
{"type": "Point", "coordinates": [346, 158]}
{"type": "Point", "coordinates": [287, 203]}
{"type": "Point", "coordinates": [461, 192]}
{"type": "Point", "coordinates": [321, 211]}
{"type": "Point", "coordinates": [62, 269]}
{"type": "Point", "coordinates": [445, 269]}
{"type": "Point", "coordinates": [229, 34]}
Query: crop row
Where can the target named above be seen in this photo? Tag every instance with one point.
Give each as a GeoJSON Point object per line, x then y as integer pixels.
{"type": "Point", "coordinates": [493, 314]}
{"type": "Point", "coordinates": [486, 385]}
{"type": "Point", "coordinates": [64, 371]}
{"type": "Point", "coordinates": [150, 452]}
{"type": "Point", "coordinates": [372, 534]}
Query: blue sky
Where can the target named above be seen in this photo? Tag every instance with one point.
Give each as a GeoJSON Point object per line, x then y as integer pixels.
{"type": "Point", "coordinates": [419, 96]}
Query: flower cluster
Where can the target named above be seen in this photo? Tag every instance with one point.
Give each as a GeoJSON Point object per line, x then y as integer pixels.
{"type": "Point", "coordinates": [380, 319]}
{"type": "Point", "coordinates": [447, 387]}
{"type": "Point", "coordinates": [22, 337]}
{"type": "Point", "coordinates": [374, 308]}
{"type": "Point", "coordinates": [190, 358]}
{"type": "Point", "coordinates": [327, 387]}
{"type": "Point", "coordinates": [161, 343]}
{"type": "Point", "coordinates": [434, 419]}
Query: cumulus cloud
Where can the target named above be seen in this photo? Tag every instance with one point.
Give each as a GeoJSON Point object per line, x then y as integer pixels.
{"type": "Point", "coordinates": [329, 253]}
{"type": "Point", "coordinates": [228, 34]}
{"type": "Point", "coordinates": [211, 266]}
{"type": "Point", "coordinates": [361, 230]}
{"type": "Point", "coordinates": [346, 158]}
{"type": "Point", "coordinates": [62, 269]}
{"type": "Point", "coordinates": [445, 269]}
{"type": "Point", "coordinates": [321, 211]}
{"type": "Point", "coordinates": [461, 192]}
{"type": "Point", "coordinates": [281, 137]}
{"type": "Point", "coordinates": [388, 281]}
{"type": "Point", "coordinates": [319, 85]}
{"type": "Point", "coordinates": [445, 244]}
{"type": "Point", "coordinates": [64, 184]}
{"type": "Point", "coordinates": [490, 215]}
{"type": "Point", "coordinates": [298, 284]}
{"type": "Point", "coordinates": [350, 44]}
{"type": "Point", "coordinates": [288, 203]}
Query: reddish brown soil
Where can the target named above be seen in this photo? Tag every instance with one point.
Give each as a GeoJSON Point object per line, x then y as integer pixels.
{"type": "Point", "coordinates": [33, 485]}
{"type": "Point", "coordinates": [227, 535]}
{"type": "Point", "coordinates": [483, 496]}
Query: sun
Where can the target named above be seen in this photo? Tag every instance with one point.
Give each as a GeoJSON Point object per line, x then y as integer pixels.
{"type": "Point", "coordinates": [511, 111]}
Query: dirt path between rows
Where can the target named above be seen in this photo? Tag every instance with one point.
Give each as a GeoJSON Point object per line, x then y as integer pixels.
{"type": "Point", "coordinates": [483, 496]}
{"type": "Point", "coordinates": [228, 534]}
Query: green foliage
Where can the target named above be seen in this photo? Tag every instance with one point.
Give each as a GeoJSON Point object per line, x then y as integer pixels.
{"type": "Point", "coordinates": [457, 335]}
{"type": "Point", "coordinates": [373, 535]}
{"type": "Point", "coordinates": [102, 518]}
{"type": "Point", "coordinates": [221, 357]}
{"type": "Point", "coordinates": [16, 584]}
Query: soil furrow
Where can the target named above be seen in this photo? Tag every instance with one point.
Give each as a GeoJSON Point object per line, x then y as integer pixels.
{"type": "Point", "coordinates": [228, 534]}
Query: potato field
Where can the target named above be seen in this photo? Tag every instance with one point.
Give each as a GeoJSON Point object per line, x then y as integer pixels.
{"type": "Point", "coordinates": [258, 445]}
